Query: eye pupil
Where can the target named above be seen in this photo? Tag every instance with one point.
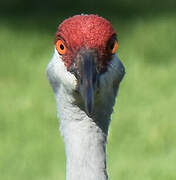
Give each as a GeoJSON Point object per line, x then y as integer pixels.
{"type": "Point", "coordinates": [112, 46]}
{"type": "Point", "coordinates": [62, 47]}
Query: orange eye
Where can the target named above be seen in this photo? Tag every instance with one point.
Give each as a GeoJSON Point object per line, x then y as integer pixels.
{"type": "Point", "coordinates": [60, 46]}
{"type": "Point", "coordinates": [114, 47]}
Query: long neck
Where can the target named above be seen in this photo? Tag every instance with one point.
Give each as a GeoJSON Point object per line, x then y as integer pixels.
{"type": "Point", "coordinates": [84, 137]}
{"type": "Point", "coordinates": [85, 145]}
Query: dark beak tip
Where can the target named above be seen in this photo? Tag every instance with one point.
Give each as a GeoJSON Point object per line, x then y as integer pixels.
{"type": "Point", "coordinates": [89, 114]}
{"type": "Point", "coordinates": [89, 105]}
{"type": "Point", "coordinates": [89, 110]}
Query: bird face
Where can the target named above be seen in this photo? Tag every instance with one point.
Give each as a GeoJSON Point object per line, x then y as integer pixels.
{"type": "Point", "coordinates": [86, 45]}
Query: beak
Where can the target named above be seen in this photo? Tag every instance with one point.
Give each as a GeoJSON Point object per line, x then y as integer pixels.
{"type": "Point", "coordinates": [87, 78]}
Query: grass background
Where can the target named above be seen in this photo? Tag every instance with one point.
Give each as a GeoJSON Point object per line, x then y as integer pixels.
{"type": "Point", "coordinates": [142, 136]}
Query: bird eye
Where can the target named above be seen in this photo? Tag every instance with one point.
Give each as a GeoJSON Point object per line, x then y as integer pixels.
{"type": "Point", "coordinates": [113, 47]}
{"type": "Point", "coordinates": [60, 46]}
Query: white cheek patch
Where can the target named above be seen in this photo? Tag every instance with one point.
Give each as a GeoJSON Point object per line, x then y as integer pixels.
{"type": "Point", "coordinates": [61, 74]}
{"type": "Point", "coordinates": [115, 72]}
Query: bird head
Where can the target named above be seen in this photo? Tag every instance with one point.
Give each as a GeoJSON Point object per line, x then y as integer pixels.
{"type": "Point", "coordinates": [86, 44]}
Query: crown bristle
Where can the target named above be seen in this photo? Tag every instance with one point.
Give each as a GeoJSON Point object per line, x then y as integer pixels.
{"type": "Point", "coordinates": [89, 31]}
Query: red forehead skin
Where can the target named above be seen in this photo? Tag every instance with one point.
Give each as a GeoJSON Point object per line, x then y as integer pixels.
{"type": "Point", "coordinates": [88, 31]}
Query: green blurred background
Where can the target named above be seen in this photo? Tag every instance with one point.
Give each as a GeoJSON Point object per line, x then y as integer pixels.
{"type": "Point", "coordinates": [142, 136]}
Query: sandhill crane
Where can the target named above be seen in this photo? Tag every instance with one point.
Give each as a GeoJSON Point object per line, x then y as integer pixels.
{"type": "Point", "coordinates": [85, 74]}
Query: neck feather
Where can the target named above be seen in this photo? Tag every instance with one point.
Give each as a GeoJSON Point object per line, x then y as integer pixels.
{"type": "Point", "coordinates": [84, 137]}
{"type": "Point", "coordinates": [85, 141]}
{"type": "Point", "coordinates": [85, 151]}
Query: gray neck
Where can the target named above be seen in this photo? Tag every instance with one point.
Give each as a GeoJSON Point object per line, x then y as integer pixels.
{"type": "Point", "coordinates": [84, 137]}
{"type": "Point", "coordinates": [85, 151]}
